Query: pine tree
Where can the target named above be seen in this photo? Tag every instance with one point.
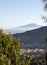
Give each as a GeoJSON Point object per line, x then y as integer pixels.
{"type": "Point", "coordinates": [10, 51]}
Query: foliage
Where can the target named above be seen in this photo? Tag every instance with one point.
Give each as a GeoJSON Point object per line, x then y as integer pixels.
{"type": "Point", "coordinates": [38, 61]}
{"type": "Point", "coordinates": [44, 19]}
{"type": "Point", "coordinates": [10, 51]}
{"type": "Point", "coordinates": [25, 59]}
{"type": "Point", "coordinates": [45, 7]}
{"type": "Point", "coordinates": [45, 4]}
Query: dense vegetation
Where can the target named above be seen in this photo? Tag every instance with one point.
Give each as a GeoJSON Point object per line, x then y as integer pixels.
{"type": "Point", "coordinates": [10, 51]}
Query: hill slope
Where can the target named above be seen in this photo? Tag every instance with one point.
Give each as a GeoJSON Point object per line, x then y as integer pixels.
{"type": "Point", "coordinates": [33, 38]}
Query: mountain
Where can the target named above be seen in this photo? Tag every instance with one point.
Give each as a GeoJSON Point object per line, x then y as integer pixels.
{"type": "Point", "coordinates": [33, 38]}
{"type": "Point", "coordinates": [23, 28]}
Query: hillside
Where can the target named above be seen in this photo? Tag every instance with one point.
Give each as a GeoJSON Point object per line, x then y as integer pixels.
{"type": "Point", "coordinates": [33, 38]}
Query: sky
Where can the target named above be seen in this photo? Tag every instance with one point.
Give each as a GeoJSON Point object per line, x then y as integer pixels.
{"type": "Point", "coordinates": [15, 13]}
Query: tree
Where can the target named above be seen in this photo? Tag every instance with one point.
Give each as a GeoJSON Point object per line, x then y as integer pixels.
{"type": "Point", "coordinates": [45, 4]}
{"type": "Point", "coordinates": [45, 19]}
{"type": "Point", "coordinates": [45, 7]}
{"type": "Point", "coordinates": [10, 50]}
{"type": "Point", "coordinates": [46, 57]}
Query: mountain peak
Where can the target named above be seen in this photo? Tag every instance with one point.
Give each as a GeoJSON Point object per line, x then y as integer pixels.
{"type": "Point", "coordinates": [24, 28]}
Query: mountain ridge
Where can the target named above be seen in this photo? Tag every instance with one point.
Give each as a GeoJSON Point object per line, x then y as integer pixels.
{"type": "Point", "coordinates": [22, 29]}
{"type": "Point", "coordinates": [33, 38]}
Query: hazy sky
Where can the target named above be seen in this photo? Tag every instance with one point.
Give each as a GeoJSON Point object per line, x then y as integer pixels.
{"type": "Point", "coordinates": [14, 13]}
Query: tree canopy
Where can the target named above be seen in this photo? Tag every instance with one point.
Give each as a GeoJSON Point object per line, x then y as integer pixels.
{"type": "Point", "coordinates": [10, 51]}
{"type": "Point", "coordinates": [45, 8]}
{"type": "Point", "coordinates": [45, 4]}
